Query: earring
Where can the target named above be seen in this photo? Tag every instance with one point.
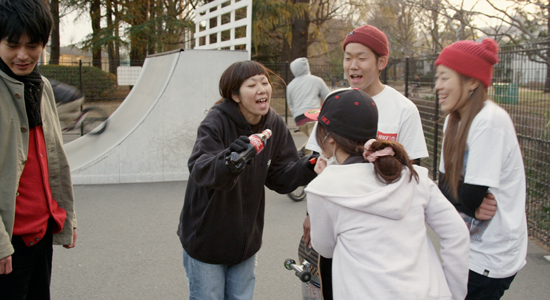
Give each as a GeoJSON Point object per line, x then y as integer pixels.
{"type": "Point", "coordinates": [471, 93]}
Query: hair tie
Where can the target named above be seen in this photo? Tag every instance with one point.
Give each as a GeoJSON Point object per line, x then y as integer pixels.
{"type": "Point", "coordinates": [372, 156]}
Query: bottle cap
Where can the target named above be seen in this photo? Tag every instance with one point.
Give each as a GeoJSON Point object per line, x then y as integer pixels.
{"type": "Point", "coordinates": [267, 133]}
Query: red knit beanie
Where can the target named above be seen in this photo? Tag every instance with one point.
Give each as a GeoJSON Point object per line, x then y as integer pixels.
{"type": "Point", "coordinates": [471, 59]}
{"type": "Point", "coordinates": [371, 37]}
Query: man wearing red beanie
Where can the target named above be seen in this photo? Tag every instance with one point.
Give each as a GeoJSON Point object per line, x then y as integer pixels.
{"type": "Point", "coordinates": [366, 54]}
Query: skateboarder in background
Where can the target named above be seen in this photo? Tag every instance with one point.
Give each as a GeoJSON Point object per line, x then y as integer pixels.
{"type": "Point", "coordinates": [69, 99]}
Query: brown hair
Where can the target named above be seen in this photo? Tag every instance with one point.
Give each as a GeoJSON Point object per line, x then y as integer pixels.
{"type": "Point", "coordinates": [456, 135]}
{"type": "Point", "coordinates": [234, 76]}
{"type": "Point", "coordinates": [387, 168]}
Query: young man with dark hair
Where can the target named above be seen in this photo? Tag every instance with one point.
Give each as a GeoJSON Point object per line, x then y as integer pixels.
{"type": "Point", "coordinates": [36, 194]}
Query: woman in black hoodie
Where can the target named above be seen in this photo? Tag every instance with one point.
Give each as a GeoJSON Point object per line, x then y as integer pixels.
{"type": "Point", "coordinates": [222, 220]}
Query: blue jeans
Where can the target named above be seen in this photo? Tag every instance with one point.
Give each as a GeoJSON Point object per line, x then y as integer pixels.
{"type": "Point", "coordinates": [220, 282]}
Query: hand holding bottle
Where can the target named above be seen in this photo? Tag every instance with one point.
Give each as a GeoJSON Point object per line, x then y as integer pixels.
{"type": "Point", "coordinates": [240, 144]}
{"type": "Point", "coordinates": [244, 149]}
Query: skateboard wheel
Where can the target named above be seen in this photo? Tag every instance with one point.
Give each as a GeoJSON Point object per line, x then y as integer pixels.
{"type": "Point", "coordinates": [305, 276]}
{"type": "Point", "coordinates": [288, 262]}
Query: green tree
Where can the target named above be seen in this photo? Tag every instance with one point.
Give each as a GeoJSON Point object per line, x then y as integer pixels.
{"type": "Point", "coordinates": [145, 26]}
{"type": "Point", "coordinates": [286, 29]}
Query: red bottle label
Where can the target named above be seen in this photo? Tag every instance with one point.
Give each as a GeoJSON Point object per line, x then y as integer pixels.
{"type": "Point", "coordinates": [257, 143]}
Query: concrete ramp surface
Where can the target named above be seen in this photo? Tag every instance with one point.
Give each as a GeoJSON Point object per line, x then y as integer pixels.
{"type": "Point", "coordinates": [151, 134]}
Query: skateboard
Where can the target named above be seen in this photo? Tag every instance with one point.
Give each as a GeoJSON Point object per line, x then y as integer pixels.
{"type": "Point", "coordinates": [309, 259]}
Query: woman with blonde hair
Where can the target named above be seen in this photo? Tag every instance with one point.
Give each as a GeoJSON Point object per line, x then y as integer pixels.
{"type": "Point", "coordinates": [481, 155]}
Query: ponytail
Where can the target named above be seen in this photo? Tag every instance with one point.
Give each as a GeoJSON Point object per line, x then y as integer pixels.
{"type": "Point", "coordinates": [388, 167]}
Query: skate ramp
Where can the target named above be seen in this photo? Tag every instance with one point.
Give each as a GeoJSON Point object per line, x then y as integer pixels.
{"type": "Point", "coordinates": [151, 134]}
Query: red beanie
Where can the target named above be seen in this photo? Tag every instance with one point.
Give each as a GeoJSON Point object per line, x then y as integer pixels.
{"type": "Point", "coordinates": [371, 37]}
{"type": "Point", "coordinates": [471, 59]}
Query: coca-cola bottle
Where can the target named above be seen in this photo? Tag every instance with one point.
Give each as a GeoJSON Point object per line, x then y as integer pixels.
{"type": "Point", "coordinates": [237, 161]}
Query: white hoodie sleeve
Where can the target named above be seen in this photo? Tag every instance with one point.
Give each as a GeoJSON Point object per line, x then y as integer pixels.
{"type": "Point", "coordinates": [454, 236]}
{"type": "Point", "coordinates": [322, 234]}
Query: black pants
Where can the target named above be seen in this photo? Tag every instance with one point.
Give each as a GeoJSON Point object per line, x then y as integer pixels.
{"type": "Point", "coordinates": [325, 270]}
{"type": "Point", "coordinates": [481, 287]}
{"type": "Point", "coordinates": [32, 270]}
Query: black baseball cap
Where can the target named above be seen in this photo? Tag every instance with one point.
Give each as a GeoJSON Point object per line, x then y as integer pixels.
{"type": "Point", "coordinates": [350, 113]}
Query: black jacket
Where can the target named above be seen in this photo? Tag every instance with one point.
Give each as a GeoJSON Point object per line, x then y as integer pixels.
{"type": "Point", "coordinates": [223, 213]}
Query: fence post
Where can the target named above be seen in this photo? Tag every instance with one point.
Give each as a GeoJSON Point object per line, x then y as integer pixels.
{"type": "Point", "coordinates": [406, 79]}
{"type": "Point", "coordinates": [81, 80]}
{"type": "Point", "coordinates": [436, 134]}
{"type": "Point", "coordinates": [81, 84]}
{"type": "Point", "coordinates": [385, 76]}
{"type": "Point", "coordinates": [286, 84]}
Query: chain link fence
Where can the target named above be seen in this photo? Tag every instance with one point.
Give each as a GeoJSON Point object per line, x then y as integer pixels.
{"type": "Point", "coordinates": [520, 85]}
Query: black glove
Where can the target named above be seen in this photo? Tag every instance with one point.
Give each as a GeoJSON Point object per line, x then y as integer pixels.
{"type": "Point", "coordinates": [240, 144]}
{"type": "Point", "coordinates": [237, 156]}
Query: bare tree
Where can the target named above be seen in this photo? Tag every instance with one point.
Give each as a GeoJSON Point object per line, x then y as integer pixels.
{"type": "Point", "coordinates": [523, 23]}
{"type": "Point", "coordinates": [398, 20]}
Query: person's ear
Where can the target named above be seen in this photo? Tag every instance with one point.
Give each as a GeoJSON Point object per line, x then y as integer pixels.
{"type": "Point", "coordinates": [236, 98]}
{"type": "Point", "coordinates": [382, 62]}
{"type": "Point", "coordinates": [473, 84]}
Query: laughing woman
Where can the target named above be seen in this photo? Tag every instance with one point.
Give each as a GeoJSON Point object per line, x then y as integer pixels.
{"type": "Point", "coordinates": [481, 155]}
{"type": "Point", "coordinates": [222, 220]}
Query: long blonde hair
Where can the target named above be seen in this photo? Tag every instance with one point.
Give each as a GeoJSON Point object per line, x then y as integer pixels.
{"type": "Point", "coordinates": [456, 135]}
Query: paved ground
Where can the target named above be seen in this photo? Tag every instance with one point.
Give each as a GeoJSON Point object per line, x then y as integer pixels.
{"type": "Point", "coordinates": [128, 249]}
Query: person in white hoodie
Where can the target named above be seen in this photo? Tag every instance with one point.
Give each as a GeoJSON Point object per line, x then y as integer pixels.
{"type": "Point", "coordinates": [304, 92]}
{"type": "Point", "coordinates": [369, 207]}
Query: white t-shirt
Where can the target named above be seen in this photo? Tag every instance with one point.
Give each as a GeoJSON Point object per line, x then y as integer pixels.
{"type": "Point", "coordinates": [398, 120]}
{"type": "Point", "coordinates": [493, 158]}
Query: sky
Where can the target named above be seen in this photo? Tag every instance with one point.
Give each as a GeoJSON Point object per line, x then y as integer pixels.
{"type": "Point", "coordinates": [72, 31]}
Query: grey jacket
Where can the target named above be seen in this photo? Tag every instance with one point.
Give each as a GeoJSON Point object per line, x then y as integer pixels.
{"type": "Point", "coordinates": [14, 143]}
{"type": "Point", "coordinates": [305, 91]}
